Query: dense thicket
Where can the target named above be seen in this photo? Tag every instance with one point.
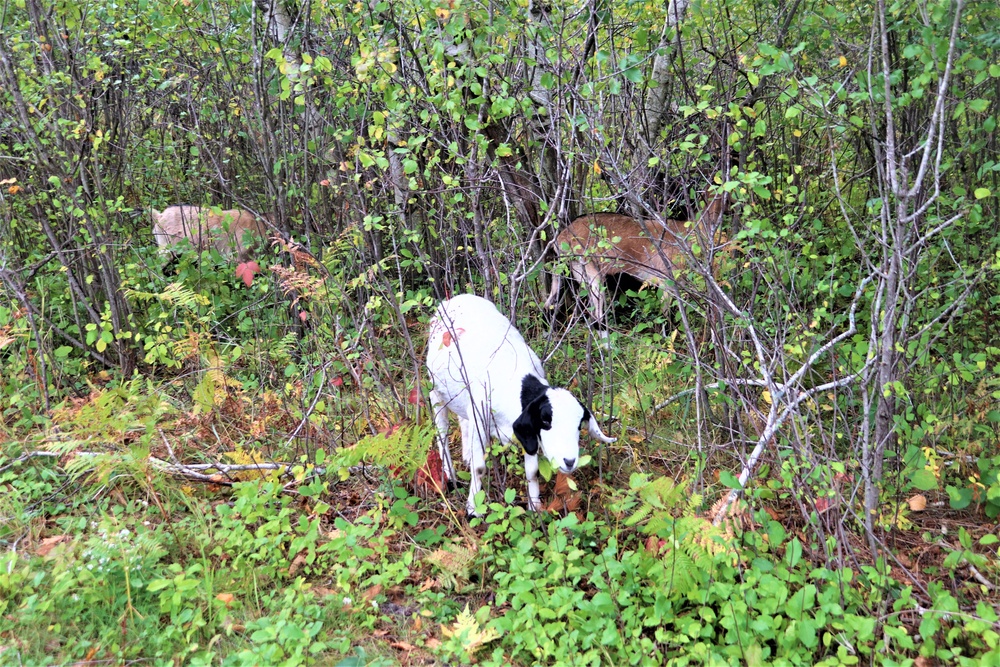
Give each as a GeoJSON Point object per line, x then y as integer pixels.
{"type": "Point", "coordinates": [418, 149]}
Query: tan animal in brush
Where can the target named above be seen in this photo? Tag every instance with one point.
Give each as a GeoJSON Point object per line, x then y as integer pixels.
{"type": "Point", "coordinates": [231, 232]}
{"type": "Point", "coordinates": [603, 244]}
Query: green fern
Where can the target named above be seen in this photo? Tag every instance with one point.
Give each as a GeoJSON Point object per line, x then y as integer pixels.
{"type": "Point", "coordinates": [404, 449]}
{"type": "Point", "coordinates": [174, 294]}
{"type": "Point", "coordinates": [660, 495]}
{"type": "Point", "coordinates": [685, 544]}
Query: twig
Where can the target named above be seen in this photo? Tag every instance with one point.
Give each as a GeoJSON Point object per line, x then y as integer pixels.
{"type": "Point", "coordinates": [305, 417]}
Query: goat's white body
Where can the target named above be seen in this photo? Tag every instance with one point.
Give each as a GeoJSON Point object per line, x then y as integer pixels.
{"type": "Point", "coordinates": [478, 362]}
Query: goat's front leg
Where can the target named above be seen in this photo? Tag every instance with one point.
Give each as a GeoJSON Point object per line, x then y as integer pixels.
{"type": "Point", "coordinates": [474, 453]}
{"type": "Point", "coordinates": [531, 472]}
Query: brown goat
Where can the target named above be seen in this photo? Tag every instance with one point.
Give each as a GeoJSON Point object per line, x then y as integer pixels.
{"type": "Point", "coordinates": [230, 232]}
{"type": "Point", "coordinates": [603, 244]}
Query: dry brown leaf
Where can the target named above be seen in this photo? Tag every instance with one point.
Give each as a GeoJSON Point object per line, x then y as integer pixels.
{"type": "Point", "coordinates": [230, 627]}
{"type": "Point", "coordinates": [323, 591]}
{"type": "Point", "coordinates": [225, 598]}
{"type": "Point", "coordinates": [432, 643]}
{"type": "Point", "coordinates": [49, 543]}
{"type": "Point", "coordinates": [568, 503]}
{"type": "Point", "coordinates": [87, 659]}
{"type": "Point", "coordinates": [370, 594]}
{"type": "Point", "coordinates": [918, 503]}
{"type": "Point", "coordinates": [297, 563]}
{"type": "Point", "coordinates": [402, 646]}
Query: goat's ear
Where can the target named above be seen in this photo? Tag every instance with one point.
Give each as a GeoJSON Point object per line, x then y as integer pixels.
{"type": "Point", "coordinates": [527, 433]}
{"type": "Point", "coordinates": [585, 419]}
{"type": "Point", "coordinates": [535, 418]}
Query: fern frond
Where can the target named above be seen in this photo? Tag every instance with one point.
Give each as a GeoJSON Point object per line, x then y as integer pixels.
{"type": "Point", "coordinates": [404, 449]}
{"type": "Point", "coordinates": [639, 515]}
{"type": "Point", "coordinates": [174, 294]}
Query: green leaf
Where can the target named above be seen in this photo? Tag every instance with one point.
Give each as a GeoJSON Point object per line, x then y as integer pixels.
{"type": "Point", "coordinates": [158, 585]}
{"type": "Point", "coordinates": [959, 499]}
{"type": "Point", "coordinates": [924, 480]}
{"type": "Point", "coordinates": [982, 193]}
{"type": "Point", "coordinates": [793, 552]}
{"type": "Point", "coordinates": [979, 105]}
{"type": "Point", "coordinates": [634, 75]}
{"type": "Point", "coordinates": [544, 468]}
{"type": "Point", "coordinates": [729, 479]}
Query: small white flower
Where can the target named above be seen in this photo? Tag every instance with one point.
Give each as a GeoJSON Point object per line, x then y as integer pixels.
{"type": "Point", "coordinates": [347, 601]}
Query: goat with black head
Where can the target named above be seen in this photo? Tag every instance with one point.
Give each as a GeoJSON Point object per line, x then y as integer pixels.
{"type": "Point", "coordinates": [486, 374]}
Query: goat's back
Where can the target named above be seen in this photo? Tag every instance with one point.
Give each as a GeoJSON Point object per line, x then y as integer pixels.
{"type": "Point", "coordinates": [228, 231]}
{"type": "Point", "coordinates": [472, 343]}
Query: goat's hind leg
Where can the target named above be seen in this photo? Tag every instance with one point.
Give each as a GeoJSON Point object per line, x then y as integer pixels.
{"type": "Point", "coordinates": [441, 422]}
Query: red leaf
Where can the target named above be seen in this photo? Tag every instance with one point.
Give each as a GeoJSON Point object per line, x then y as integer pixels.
{"type": "Point", "coordinates": [303, 315]}
{"type": "Point", "coordinates": [430, 476]}
{"type": "Point", "coordinates": [246, 271]}
{"type": "Point", "coordinates": [390, 429]}
{"type": "Point", "coordinates": [446, 338]}
{"type": "Point", "coordinates": [414, 398]}
{"type": "Point", "coordinates": [337, 381]}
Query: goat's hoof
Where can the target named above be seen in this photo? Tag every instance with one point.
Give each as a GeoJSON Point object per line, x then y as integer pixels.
{"type": "Point", "coordinates": [535, 505]}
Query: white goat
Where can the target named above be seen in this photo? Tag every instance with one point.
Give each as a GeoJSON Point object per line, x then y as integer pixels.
{"type": "Point", "coordinates": [486, 374]}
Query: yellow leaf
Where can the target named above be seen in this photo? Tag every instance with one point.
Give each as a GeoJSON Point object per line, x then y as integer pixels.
{"type": "Point", "coordinates": [597, 167]}
{"type": "Point", "coordinates": [843, 61]}
{"type": "Point", "coordinates": [766, 395]}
